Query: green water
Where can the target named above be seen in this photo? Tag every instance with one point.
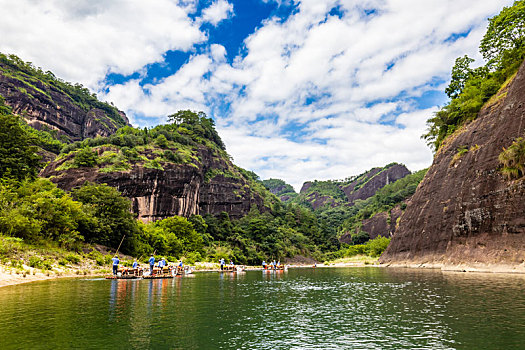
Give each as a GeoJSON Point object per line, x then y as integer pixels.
{"type": "Point", "coordinates": [343, 308]}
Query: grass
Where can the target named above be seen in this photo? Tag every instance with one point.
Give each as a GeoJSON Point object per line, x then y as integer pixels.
{"type": "Point", "coordinates": [17, 256]}
{"type": "Point", "coordinates": [356, 259]}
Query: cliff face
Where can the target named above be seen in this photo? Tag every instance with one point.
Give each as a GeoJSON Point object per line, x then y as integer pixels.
{"type": "Point", "coordinates": [178, 189]}
{"type": "Point", "coordinates": [45, 105]}
{"type": "Point", "coordinates": [321, 193]}
{"type": "Point", "coordinates": [465, 212]}
{"type": "Point", "coordinates": [382, 224]}
{"type": "Point", "coordinates": [376, 179]}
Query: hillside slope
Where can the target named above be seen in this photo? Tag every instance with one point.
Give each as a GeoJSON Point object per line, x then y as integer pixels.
{"type": "Point", "coordinates": [45, 102]}
{"type": "Point", "coordinates": [465, 211]}
{"type": "Point", "coordinates": [173, 169]}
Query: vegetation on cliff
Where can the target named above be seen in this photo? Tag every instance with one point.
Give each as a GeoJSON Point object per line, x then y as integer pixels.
{"type": "Point", "coordinates": [513, 159]}
{"type": "Point", "coordinates": [35, 78]}
{"type": "Point", "coordinates": [503, 48]}
{"type": "Point", "coordinates": [383, 200]}
{"type": "Point", "coordinates": [280, 188]}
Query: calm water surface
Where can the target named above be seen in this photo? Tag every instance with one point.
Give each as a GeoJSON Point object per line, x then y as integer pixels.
{"type": "Point", "coordinates": [324, 308]}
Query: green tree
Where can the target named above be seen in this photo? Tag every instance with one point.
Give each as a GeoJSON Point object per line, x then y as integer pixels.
{"type": "Point", "coordinates": [18, 157]}
{"type": "Point", "coordinates": [506, 32]}
{"type": "Point", "coordinates": [460, 73]}
{"type": "Point", "coordinates": [112, 213]}
{"type": "Point", "coordinates": [85, 157]}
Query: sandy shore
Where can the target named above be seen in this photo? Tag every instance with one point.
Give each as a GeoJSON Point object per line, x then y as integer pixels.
{"type": "Point", "coordinates": [8, 278]}
{"type": "Point", "coordinates": [470, 267]}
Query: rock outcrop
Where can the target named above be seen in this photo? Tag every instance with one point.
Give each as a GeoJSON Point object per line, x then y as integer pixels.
{"type": "Point", "coordinates": [381, 224]}
{"type": "Point", "coordinates": [362, 187]}
{"type": "Point", "coordinates": [375, 180]}
{"type": "Point", "coordinates": [178, 189]}
{"type": "Point", "coordinates": [45, 106]}
{"type": "Point", "coordinates": [465, 212]}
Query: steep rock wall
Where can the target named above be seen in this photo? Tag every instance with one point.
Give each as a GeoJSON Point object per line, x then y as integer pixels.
{"type": "Point", "coordinates": [179, 189]}
{"type": "Point", "coordinates": [45, 107]}
{"type": "Point", "coordinates": [376, 181]}
{"type": "Point", "coordinates": [381, 224]}
{"type": "Point", "coordinates": [464, 212]}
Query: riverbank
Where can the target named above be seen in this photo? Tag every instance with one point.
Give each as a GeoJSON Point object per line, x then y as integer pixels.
{"type": "Point", "coordinates": [463, 267]}
{"type": "Point", "coordinates": [9, 277]}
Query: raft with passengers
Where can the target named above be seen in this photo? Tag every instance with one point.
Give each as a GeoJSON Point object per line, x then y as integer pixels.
{"type": "Point", "coordinates": [274, 266]}
{"type": "Point", "coordinates": [156, 271]}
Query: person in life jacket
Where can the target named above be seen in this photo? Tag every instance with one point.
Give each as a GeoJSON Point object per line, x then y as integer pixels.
{"type": "Point", "coordinates": [116, 261]}
{"type": "Point", "coordinates": [151, 263]}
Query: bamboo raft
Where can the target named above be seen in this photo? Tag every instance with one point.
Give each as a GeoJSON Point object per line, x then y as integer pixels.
{"type": "Point", "coordinates": [158, 273]}
{"type": "Point", "coordinates": [233, 268]}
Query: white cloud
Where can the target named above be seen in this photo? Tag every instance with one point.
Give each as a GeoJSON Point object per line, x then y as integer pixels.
{"type": "Point", "coordinates": [217, 12]}
{"type": "Point", "coordinates": [314, 96]}
{"type": "Point", "coordinates": [83, 40]}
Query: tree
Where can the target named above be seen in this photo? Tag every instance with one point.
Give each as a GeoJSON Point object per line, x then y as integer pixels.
{"type": "Point", "coordinates": [86, 157]}
{"type": "Point", "coordinates": [18, 157]}
{"type": "Point", "coordinates": [460, 73]}
{"type": "Point", "coordinates": [505, 32]}
{"type": "Point", "coordinates": [112, 213]}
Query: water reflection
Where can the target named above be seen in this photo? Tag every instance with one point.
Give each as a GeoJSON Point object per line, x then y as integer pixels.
{"type": "Point", "coordinates": [365, 308]}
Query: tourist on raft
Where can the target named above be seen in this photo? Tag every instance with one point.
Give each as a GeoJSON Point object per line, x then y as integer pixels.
{"type": "Point", "coordinates": [151, 263]}
{"type": "Point", "coordinates": [135, 264]}
{"type": "Point", "coordinates": [115, 264]}
{"type": "Point", "coordinates": [264, 264]}
{"type": "Point", "coordinates": [161, 265]}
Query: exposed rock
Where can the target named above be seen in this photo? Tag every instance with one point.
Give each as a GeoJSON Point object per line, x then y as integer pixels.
{"type": "Point", "coordinates": [44, 106]}
{"type": "Point", "coordinates": [179, 189]}
{"type": "Point", "coordinates": [375, 181]}
{"type": "Point", "coordinates": [363, 187]}
{"type": "Point", "coordinates": [381, 224]}
{"type": "Point", "coordinates": [464, 211]}
{"type": "Point", "coordinates": [305, 187]}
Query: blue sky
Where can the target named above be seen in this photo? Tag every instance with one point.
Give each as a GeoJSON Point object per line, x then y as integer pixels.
{"type": "Point", "coordinates": [299, 90]}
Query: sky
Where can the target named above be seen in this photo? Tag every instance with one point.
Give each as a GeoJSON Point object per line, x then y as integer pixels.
{"type": "Point", "coordinates": [299, 89]}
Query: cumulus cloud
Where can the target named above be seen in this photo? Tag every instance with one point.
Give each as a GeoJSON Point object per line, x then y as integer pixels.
{"type": "Point", "coordinates": [327, 92]}
{"type": "Point", "coordinates": [218, 11]}
{"type": "Point", "coordinates": [84, 40]}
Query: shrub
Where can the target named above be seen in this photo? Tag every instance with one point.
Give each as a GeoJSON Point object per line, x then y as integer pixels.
{"type": "Point", "coordinates": [513, 159]}
{"type": "Point", "coordinates": [73, 258]}
{"type": "Point", "coordinates": [377, 246]}
{"type": "Point", "coordinates": [86, 157]}
{"type": "Point", "coordinates": [35, 262]}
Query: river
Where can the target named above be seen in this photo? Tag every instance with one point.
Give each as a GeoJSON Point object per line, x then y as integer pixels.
{"type": "Point", "coordinates": [323, 308]}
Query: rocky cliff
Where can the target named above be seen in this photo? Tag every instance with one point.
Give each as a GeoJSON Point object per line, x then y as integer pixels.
{"type": "Point", "coordinates": [382, 224]}
{"type": "Point", "coordinates": [210, 186]}
{"type": "Point", "coordinates": [465, 212]}
{"type": "Point", "coordinates": [336, 193]}
{"type": "Point", "coordinates": [47, 103]}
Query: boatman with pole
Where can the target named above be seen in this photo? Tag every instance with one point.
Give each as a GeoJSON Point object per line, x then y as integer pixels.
{"type": "Point", "coordinates": [115, 265]}
{"type": "Point", "coordinates": [222, 264]}
{"type": "Point", "coordinates": [151, 264]}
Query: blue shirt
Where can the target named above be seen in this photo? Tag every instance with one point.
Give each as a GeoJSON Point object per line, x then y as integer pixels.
{"type": "Point", "coordinates": [180, 264]}
{"type": "Point", "coordinates": [135, 264]}
{"type": "Point", "coordinates": [152, 261]}
{"type": "Point", "coordinates": [222, 261]}
{"type": "Point", "coordinates": [115, 261]}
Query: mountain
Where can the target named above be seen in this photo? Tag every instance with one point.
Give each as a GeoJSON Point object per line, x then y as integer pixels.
{"type": "Point", "coordinates": [334, 193]}
{"type": "Point", "coordinates": [175, 169]}
{"type": "Point", "coordinates": [68, 111]}
{"type": "Point", "coordinates": [469, 210]}
{"type": "Point", "coordinates": [280, 188]}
